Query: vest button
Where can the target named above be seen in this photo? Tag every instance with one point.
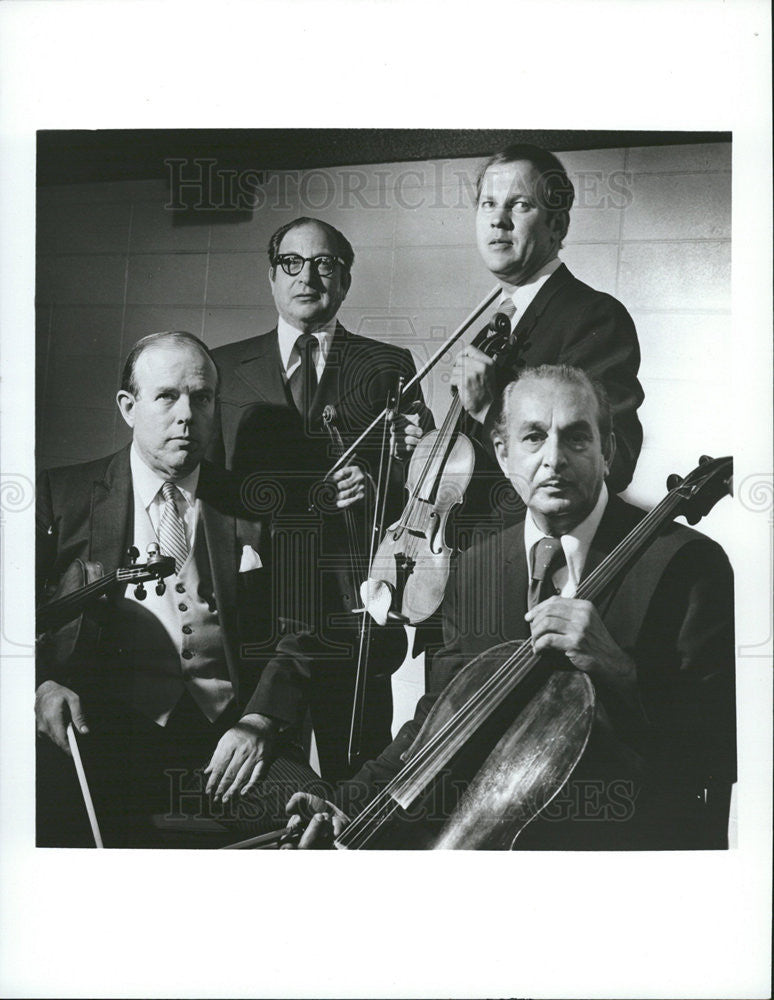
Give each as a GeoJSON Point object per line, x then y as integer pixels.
{"type": "Point", "coordinates": [182, 607]}
{"type": "Point", "coordinates": [180, 588]}
{"type": "Point", "coordinates": [187, 654]}
{"type": "Point", "coordinates": [187, 630]}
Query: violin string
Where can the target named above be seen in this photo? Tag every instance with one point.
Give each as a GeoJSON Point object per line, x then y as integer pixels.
{"type": "Point", "coordinates": [415, 505]}
{"type": "Point", "coordinates": [74, 599]}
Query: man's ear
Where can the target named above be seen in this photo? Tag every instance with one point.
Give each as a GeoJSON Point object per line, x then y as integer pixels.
{"type": "Point", "coordinates": [126, 401]}
{"type": "Point", "coordinates": [346, 281]}
{"type": "Point", "coordinates": [560, 223]}
{"type": "Point", "coordinates": [501, 454]}
{"type": "Point", "coordinates": [609, 453]}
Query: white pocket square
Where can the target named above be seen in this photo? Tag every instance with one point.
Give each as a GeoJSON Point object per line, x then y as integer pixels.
{"type": "Point", "coordinates": [250, 559]}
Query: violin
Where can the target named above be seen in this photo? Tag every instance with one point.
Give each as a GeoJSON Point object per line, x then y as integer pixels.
{"type": "Point", "coordinates": [414, 558]}
{"type": "Point", "coordinates": [60, 621]}
{"type": "Point", "coordinates": [393, 642]}
{"type": "Point", "coordinates": [542, 745]}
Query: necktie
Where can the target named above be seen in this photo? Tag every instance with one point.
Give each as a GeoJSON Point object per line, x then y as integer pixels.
{"type": "Point", "coordinates": [303, 381]}
{"type": "Point", "coordinates": [171, 528]}
{"type": "Point", "coordinates": [546, 557]}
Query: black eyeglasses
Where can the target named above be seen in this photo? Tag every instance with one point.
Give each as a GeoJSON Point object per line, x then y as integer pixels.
{"type": "Point", "coordinates": [323, 263]}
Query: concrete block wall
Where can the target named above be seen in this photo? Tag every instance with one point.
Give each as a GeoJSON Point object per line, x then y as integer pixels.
{"type": "Point", "coordinates": [651, 225]}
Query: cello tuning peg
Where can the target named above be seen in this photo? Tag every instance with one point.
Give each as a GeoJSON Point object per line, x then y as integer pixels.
{"type": "Point", "coordinates": [704, 459]}
{"type": "Point", "coordinates": [140, 592]}
{"type": "Point", "coordinates": [673, 481]}
{"type": "Point", "coordinates": [133, 553]}
{"type": "Point", "coordinates": [161, 588]}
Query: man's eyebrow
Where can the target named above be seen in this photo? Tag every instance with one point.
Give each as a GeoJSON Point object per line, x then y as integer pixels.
{"type": "Point", "coordinates": [531, 425]}
{"type": "Point", "coordinates": [577, 425]}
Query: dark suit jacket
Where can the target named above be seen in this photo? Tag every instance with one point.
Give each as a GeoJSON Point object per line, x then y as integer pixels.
{"type": "Point", "coordinates": [261, 431]}
{"type": "Point", "coordinates": [281, 459]}
{"type": "Point", "coordinates": [672, 612]}
{"type": "Point", "coordinates": [570, 323]}
{"type": "Point", "coordinates": [86, 512]}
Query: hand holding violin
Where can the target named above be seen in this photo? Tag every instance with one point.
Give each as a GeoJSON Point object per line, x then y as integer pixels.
{"type": "Point", "coordinates": [55, 707]}
{"type": "Point", "coordinates": [320, 820]}
{"type": "Point", "coordinates": [350, 485]}
{"type": "Point", "coordinates": [473, 376]}
{"type": "Point", "coordinates": [406, 434]}
{"type": "Point", "coordinates": [574, 627]}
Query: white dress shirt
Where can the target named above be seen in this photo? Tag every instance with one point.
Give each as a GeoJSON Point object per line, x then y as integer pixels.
{"type": "Point", "coordinates": [149, 501]}
{"type": "Point", "coordinates": [575, 545]}
{"type": "Point", "coordinates": [291, 359]}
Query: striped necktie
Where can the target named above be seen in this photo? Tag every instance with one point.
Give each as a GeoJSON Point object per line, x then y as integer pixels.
{"type": "Point", "coordinates": [171, 528]}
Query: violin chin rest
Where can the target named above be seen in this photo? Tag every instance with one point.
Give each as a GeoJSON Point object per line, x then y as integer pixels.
{"type": "Point", "coordinates": [376, 596]}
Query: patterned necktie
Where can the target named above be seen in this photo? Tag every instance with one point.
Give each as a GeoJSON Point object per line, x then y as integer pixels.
{"type": "Point", "coordinates": [303, 381]}
{"type": "Point", "coordinates": [171, 528]}
{"type": "Point", "coordinates": [547, 557]}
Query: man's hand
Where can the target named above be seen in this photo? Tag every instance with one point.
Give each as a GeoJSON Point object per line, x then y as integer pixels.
{"type": "Point", "coordinates": [350, 485]}
{"type": "Point", "coordinates": [406, 434]}
{"type": "Point", "coordinates": [473, 376]}
{"type": "Point", "coordinates": [242, 756]}
{"type": "Point", "coordinates": [322, 819]}
{"type": "Point", "coordinates": [574, 628]}
{"type": "Point", "coordinates": [55, 707]}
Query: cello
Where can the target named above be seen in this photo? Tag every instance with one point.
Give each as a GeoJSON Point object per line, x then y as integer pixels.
{"type": "Point", "coordinates": [532, 761]}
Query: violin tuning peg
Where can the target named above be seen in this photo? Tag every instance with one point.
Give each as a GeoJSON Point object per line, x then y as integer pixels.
{"type": "Point", "coordinates": [673, 481]}
{"type": "Point", "coordinates": [133, 553]}
{"type": "Point", "coordinates": [140, 592]}
{"type": "Point", "coordinates": [704, 459]}
{"type": "Point", "coordinates": [161, 588]}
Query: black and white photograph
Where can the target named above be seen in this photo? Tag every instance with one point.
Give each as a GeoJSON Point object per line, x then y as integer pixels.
{"type": "Point", "coordinates": [392, 489]}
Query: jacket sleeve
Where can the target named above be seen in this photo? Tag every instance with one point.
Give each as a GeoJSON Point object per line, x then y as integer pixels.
{"type": "Point", "coordinates": [685, 667]}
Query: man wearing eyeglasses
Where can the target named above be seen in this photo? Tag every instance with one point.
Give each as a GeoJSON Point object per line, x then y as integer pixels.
{"type": "Point", "coordinates": [274, 389]}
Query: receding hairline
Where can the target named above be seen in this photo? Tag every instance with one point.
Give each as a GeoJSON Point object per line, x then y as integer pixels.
{"type": "Point", "coordinates": [562, 376]}
{"type": "Point", "coordinates": [163, 339]}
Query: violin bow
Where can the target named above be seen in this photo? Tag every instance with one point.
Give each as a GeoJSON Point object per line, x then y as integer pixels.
{"type": "Point", "coordinates": [419, 375]}
{"type": "Point", "coordinates": [87, 800]}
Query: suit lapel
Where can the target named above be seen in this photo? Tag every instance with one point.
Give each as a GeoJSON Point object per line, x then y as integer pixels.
{"type": "Point", "coordinates": [112, 514]}
{"type": "Point", "coordinates": [612, 529]}
{"type": "Point", "coordinates": [220, 536]}
{"type": "Point", "coordinates": [259, 374]}
{"type": "Point", "coordinates": [515, 589]}
{"type": "Point", "coordinates": [532, 313]}
{"type": "Point", "coordinates": [329, 386]}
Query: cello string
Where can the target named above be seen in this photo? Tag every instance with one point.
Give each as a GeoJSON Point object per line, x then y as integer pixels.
{"type": "Point", "coordinates": [451, 732]}
{"type": "Point", "coordinates": [433, 747]}
{"type": "Point", "coordinates": [596, 581]}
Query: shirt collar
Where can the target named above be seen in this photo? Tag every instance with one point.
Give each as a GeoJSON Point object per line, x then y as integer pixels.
{"type": "Point", "coordinates": [288, 335]}
{"type": "Point", "coordinates": [523, 295]}
{"type": "Point", "coordinates": [147, 483]}
{"type": "Point", "coordinates": [575, 543]}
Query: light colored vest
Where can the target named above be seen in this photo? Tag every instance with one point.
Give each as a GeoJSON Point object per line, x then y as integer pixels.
{"type": "Point", "coordinates": [173, 642]}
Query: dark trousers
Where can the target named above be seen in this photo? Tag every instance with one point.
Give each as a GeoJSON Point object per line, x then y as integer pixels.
{"type": "Point", "coordinates": [147, 784]}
